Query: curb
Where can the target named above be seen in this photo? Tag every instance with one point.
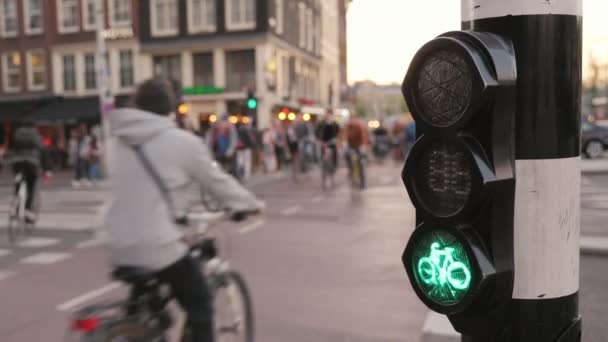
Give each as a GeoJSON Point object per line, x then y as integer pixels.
{"type": "Point", "coordinates": [437, 328]}
{"type": "Point", "coordinates": [594, 245]}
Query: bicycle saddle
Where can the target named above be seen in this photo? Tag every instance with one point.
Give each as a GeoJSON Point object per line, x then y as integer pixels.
{"type": "Point", "coordinates": [132, 274]}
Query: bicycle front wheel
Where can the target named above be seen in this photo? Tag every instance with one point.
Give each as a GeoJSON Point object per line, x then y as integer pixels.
{"type": "Point", "coordinates": [233, 309]}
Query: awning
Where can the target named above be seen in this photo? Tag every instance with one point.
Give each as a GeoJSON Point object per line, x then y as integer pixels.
{"type": "Point", "coordinates": [15, 109]}
{"type": "Point", "coordinates": [73, 110]}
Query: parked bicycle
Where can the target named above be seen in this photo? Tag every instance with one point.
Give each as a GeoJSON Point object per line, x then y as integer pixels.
{"type": "Point", "coordinates": [144, 317]}
{"type": "Point", "coordinates": [18, 223]}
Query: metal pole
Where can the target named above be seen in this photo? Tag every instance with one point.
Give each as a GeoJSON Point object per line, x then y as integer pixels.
{"type": "Point", "coordinates": [547, 37]}
{"type": "Point", "coordinates": [106, 98]}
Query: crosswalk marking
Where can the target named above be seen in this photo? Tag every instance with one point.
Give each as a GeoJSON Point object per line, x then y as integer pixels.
{"type": "Point", "coordinates": [291, 210]}
{"type": "Point", "coordinates": [45, 258]}
{"type": "Point", "coordinates": [37, 242]}
{"type": "Point", "coordinates": [249, 228]}
{"type": "Point", "coordinates": [6, 274]}
{"type": "Point", "coordinates": [4, 252]}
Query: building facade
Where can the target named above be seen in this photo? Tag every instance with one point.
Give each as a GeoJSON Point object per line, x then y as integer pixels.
{"type": "Point", "coordinates": [287, 52]}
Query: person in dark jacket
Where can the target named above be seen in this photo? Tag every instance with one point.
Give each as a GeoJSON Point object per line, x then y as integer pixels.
{"type": "Point", "coordinates": [25, 156]}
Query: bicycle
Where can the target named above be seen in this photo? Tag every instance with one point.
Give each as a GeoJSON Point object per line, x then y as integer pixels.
{"type": "Point", "coordinates": [356, 170]}
{"type": "Point", "coordinates": [18, 223]}
{"type": "Point", "coordinates": [437, 273]}
{"type": "Point", "coordinates": [146, 316]}
{"type": "Point", "coordinates": [328, 165]}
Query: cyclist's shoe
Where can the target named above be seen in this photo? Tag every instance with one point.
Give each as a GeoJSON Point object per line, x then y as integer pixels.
{"type": "Point", "coordinates": [30, 217]}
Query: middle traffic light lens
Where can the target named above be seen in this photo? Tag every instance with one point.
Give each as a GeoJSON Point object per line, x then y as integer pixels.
{"type": "Point", "coordinates": [444, 178]}
{"type": "Point", "coordinates": [441, 267]}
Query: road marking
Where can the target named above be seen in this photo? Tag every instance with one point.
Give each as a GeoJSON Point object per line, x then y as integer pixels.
{"type": "Point", "coordinates": [37, 242]}
{"type": "Point", "coordinates": [45, 258]}
{"type": "Point", "coordinates": [251, 227]}
{"type": "Point", "coordinates": [77, 301]}
{"type": "Point", "coordinates": [4, 252]}
{"type": "Point", "coordinates": [291, 210]}
{"type": "Point", "coordinates": [317, 199]}
{"type": "Point", "coordinates": [99, 239]}
{"type": "Point", "coordinates": [6, 274]}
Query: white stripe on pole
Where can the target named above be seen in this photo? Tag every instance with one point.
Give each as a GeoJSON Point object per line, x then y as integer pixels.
{"type": "Point", "coordinates": [480, 9]}
{"type": "Point", "coordinates": [547, 228]}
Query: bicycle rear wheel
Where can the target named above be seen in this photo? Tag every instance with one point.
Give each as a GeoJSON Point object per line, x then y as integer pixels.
{"type": "Point", "coordinates": [233, 309]}
{"type": "Point", "coordinates": [15, 221]}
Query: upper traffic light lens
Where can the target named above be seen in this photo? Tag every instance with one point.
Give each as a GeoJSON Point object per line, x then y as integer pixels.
{"type": "Point", "coordinates": [444, 87]}
{"type": "Point", "coordinates": [445, 177]}
{"type": "Point", "coordinates": [441, 267]}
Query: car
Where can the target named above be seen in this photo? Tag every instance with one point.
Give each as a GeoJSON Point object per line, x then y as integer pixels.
{"type": "Point", "coordinates": [594, 140]}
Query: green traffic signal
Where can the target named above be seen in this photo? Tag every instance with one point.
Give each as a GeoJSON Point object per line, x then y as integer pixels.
{"type": "Point", "coordinates": [441, 267]}
{"type": "Point", "coordinates": [252, 103]}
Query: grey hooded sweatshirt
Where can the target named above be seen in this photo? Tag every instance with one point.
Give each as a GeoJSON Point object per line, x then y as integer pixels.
{"type": "Point", "coordinates": [141, 228]}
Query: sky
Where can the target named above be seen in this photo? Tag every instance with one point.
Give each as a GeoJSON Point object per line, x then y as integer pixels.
{"type": "Point", "coordinates": [384, 35]}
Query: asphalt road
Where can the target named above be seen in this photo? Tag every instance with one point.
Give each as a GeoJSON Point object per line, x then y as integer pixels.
{"type": "Point", "coordinates": [322, 266]}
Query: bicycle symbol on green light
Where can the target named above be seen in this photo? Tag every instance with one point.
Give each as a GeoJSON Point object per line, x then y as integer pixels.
{"type": "Point", "coordinates": [440, 269]}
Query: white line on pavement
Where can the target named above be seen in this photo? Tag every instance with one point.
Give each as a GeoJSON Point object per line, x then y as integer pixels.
{"type": "Point", "coordinates": [4, 252]}
{"type": "Point", "coordinates": [6, 274]}
{"type": "Point", "coordinates": [35, 242]}
{"type": "Point", "coordinates": [77, 301]}
{"type": "Point", "coordinates": [251, 227]}
{"type": "Point", "coordinates": [45, 258]}
{"type": "Point", "coordinates": [317, 199]}
{"type": "Point", "coordinates": [291, 210]}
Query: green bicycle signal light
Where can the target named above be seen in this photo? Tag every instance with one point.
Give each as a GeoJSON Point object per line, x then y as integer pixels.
{"type": "Point", "coordinates": [441, 267]}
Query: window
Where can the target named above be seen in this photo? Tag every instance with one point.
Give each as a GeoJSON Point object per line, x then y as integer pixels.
{"type": "Point", "coordinates": [309, 28]}
{"type": "Point", "coordinates": [36, 70]}
{"type": "Point", "coordinates": [201, 16]}
{"type": "Point", "coordinates": [126, 68]}
{"type": "Point", "coordinates": [169, 67]}
{"type": "Point", "coordinates": [203, 69]}
{"type": "Point", "coordinates": [164, 17]}
{"type": "Point", "coordinates": [240, 69]}
{"type": "Point", "coordinates": [240, 14]}
{"type": "Point", "coordinates": [89, 15]}
{"type": "Point", "coordinates": [90, 74]}
{"type": "Point", "coordinates": [302, 22]}
{"type": "Point", "coordinates": [11, 65]}
{"type": "Point", "coordinates": [120, 12]}
{"type": "Point", "coordinates": [68, 16]}
{"type": "Point", "coordinates": [69, 73]}
{"type": "Point", "coordinates": [33, 16]}
{"type": "Point", "coordinates": [9, 18]}
{"type": "Point", "coordinates": [280, 12]}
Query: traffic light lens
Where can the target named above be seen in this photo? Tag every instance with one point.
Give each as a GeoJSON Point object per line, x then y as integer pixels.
{"type": "Point", "coordinates": [441, 267]}
{"type": "Point", "coordinates": [252, 103]}
{"type": "Point", "coordinates": [444, 87]}
{"type": "Point", "coordinates": [444, 179]}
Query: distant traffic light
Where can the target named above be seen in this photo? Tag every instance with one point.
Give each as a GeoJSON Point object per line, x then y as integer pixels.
{"type": "Point", "coordinates": [252, 102]}
{"type": "Point", "coordinates": [460, 177]}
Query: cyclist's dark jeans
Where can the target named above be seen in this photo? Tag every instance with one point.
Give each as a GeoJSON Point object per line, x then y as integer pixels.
{"type": "Point", "coordinates": [189, 287]}
{"type": "Point", "coordinates": [30, 173]}
{"type": "Point", "coordinates": [350, 166]}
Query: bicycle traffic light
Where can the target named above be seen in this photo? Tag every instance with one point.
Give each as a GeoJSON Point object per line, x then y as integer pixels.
{"type": "Point", "coordinates": [460, 177]}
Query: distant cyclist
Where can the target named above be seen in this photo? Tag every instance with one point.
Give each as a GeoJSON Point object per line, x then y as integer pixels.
{"type": "Point", "coordinates": [354, 133]}
{"type": "Point", "coordinates": [25, 156]}
{"type": "Point", "coordinates": [152, 158]}
{"type": "Point", "coordinates": [300, 138]}
{"type": "Point", "coordinates": [223, 142]}
{"type": "Point", "coordinates": [327, 134]}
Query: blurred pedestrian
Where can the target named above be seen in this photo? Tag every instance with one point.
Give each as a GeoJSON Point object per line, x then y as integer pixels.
{"type": "Point", "coordinates": [95, 156]}
{"type": "Point", "coordinates": [279, 143]}
{"type": "Point", "coordinates": [246, 145]}
{"type": "Point", "coordinates": [269, 156]}
{"type": "Point", "coordinates": [223, 139]}
{"type": "Point", "coordinates": [72, 148]}
{"type": "Point", "coordinates": [81, 176]}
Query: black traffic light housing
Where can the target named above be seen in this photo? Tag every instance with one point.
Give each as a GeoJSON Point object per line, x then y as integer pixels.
{"type": "Point", "coordinates": [460, 176]}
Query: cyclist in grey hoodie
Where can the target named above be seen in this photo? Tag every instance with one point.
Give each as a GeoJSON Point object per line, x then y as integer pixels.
{"type": "Point", "coordinates": [142, 231]}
